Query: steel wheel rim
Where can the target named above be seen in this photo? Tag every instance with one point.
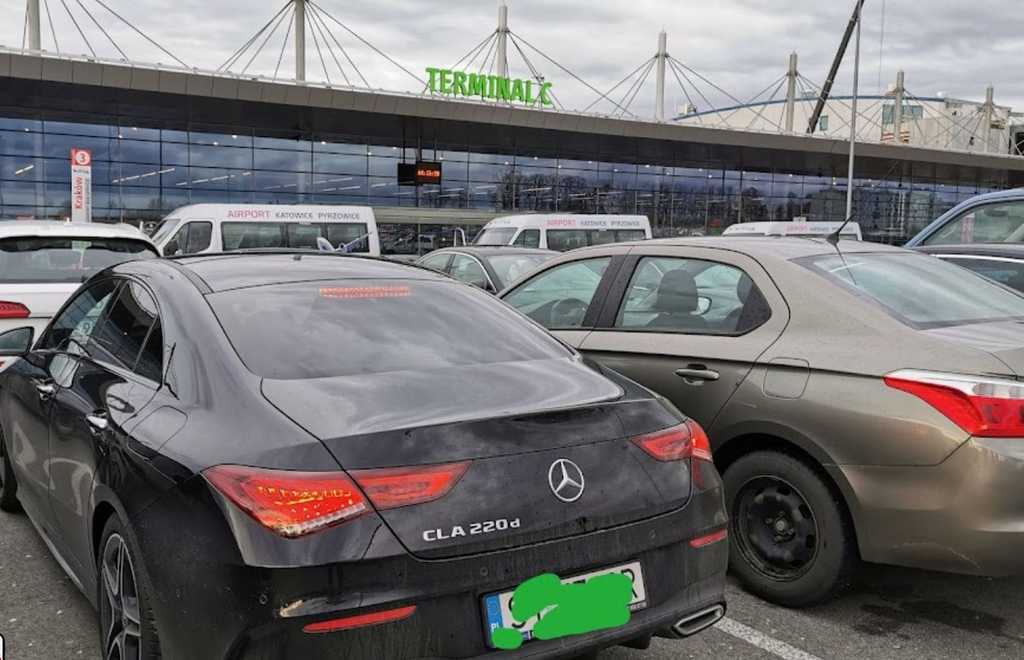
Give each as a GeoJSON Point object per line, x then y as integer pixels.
{"type": "Point", "coordinates": [122, 634]}
{"type": "Point", "coordinates": [775, 529]}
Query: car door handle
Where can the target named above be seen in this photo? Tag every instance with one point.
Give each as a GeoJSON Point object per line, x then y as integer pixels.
{"type": "Point", "coordinates": [46, 390]}
{"type": "Point", "coordinates": [98, 422]}
{"type": "Point", "coordinates": [696, 374]}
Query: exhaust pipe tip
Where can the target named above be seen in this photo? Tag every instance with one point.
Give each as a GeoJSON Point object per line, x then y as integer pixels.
{"type": "Point", "coordinates": [694, 623]}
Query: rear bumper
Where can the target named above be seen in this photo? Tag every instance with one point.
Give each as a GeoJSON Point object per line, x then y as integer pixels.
{"type": "Point", "coordinates": [965, 515]}
{"type": "Point", "coordinates": [211, 608]}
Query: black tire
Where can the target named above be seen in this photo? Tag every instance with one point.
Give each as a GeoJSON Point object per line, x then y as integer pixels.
{"type": "Point", "coordinates": [8, 484]}
{"type": "Point", "coordinates": [791, 540]}
{"type": "Point", "coordinates": [124, 635]}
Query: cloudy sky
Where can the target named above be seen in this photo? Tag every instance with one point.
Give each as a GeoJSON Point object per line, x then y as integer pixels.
{"type": "Point", "coordinates": [948, 46]}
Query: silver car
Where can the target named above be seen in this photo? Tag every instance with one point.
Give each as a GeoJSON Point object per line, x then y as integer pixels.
{"type": "Point", "coordinates": [863, 402]}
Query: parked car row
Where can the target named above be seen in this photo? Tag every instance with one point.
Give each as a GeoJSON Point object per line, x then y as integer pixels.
{"type": "Point", "coordinates": [279, 452]}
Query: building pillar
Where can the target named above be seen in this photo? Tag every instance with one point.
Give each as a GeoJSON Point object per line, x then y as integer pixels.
{"type": "Point", "coordinates": [897, 110]}
{"type": "Point", "coordinates": [791, 77]}
{"type": "Point", "coordinates": [34, 34]}
{"type": "Point", "coordinates": [502, 54]}
{"type": "Point", "coordinates": [300, 40]}
{"type": "Point", "coordinates": [990, 107]}
{"type": "Point", "coordinates": [662, 58]}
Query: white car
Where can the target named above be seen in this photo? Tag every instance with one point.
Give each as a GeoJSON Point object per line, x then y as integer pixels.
{"type": "Point", "coordinates": [43, 262]}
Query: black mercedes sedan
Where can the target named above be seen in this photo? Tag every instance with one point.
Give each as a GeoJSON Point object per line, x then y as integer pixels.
{"type": "Point", "coordinates": [298, 455]}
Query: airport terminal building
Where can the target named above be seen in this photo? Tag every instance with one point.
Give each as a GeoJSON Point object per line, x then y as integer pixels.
{"type": "Point", "coordinates": [163, 138]}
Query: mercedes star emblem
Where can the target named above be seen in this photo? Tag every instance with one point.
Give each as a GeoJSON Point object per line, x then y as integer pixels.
{"type": "Point", "coordinates": [566, 480]}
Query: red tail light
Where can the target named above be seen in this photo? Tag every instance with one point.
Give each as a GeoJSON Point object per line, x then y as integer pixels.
{"type": "Point", "coordinates": [983, 407]}
{"type": "Point", "coordinates": [709, 539]}
{"type": "Point", "coordinates": [291, 504]}
{"type": "Point", "coordinates": [394, 487]}
{"type": "Point", "coordinates": [687, 440]}
{"type": "Point", "coordinates": [13, 310]}
{"type": "Point", "coordinates": [360, 620]}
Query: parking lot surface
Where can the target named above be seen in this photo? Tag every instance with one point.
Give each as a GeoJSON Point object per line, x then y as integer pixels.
{"type": "Point", "coordinates": [891, 613]}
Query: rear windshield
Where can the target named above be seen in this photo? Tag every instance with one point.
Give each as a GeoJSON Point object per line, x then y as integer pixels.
{"type": "Point", "coordinates": [495, 236]}
{"type": "Point", "coordinates": [920, 290]}
{"type": "Point", "coordinates": [342, 328]}
{"type": "Point", "coordinates": [64, 260]}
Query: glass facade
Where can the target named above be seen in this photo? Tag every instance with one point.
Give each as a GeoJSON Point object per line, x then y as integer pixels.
{"type": "Point", "coordinates": [140, 174]}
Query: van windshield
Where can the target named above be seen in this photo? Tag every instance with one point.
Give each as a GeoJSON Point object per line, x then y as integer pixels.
{"type": "Point", "coordinates": [495, 236]}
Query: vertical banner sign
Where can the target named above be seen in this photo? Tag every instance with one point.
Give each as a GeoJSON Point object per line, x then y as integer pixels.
{"type": "Point", "coordinates": [81, 185]}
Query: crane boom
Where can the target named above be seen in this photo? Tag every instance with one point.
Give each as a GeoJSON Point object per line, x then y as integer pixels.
{"type": "Point", "coordinates": [826, 89]}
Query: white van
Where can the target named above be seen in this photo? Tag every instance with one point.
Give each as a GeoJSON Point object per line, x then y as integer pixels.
{"type": "Point", "coordinates": [796, 228]}
{"type": "Point", "coordinates": [562, 232]}
{"type": "Point", "coordinates": [202, 228]}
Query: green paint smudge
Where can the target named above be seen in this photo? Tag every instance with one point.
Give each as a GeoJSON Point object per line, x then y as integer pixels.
{"type": "Point", "coordinates": [567, 609]}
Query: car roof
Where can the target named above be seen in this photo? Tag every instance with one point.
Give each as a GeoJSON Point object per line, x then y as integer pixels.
{"type": "Point", "coordinates": [492, 250]}
{"type": "Point", "coordinates": [224, 271]}
{"type": "Point", "coordinates": [1015, 250]}
{"type": "Point", "coordinates": [759, 247]}
{"type": "Point", "coordinates": [54, 228]}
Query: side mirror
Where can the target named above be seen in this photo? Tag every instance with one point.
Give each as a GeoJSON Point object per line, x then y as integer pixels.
{"type": "Point", "coordinates": [703, 305]}
{"type": "Point", "coordinates": [171, 249]}
{"type": "Point", "coordinates": [17, 342]}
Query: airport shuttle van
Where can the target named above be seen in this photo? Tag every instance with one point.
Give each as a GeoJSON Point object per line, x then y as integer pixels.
{"type": "Point", "coordinates": [562, 232]}
{"type": "Point", "coordinates": [203, 228]}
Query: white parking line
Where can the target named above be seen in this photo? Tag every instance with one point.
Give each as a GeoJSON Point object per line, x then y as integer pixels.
{"type": "Point", "coordinates": [762, 641]}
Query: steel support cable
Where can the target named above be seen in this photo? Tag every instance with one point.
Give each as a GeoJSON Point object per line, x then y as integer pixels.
{"type": "Point", "coordinates": [365, 42]}
{"type": "Point", "coordinates": [764, 106]}
{"type": "Point", "coordinates": [320, 53]}
{"type": "Point", "coordinates": [49, 19]}
{"type": "Point", "coordinates": [485, 51]}
{"type": "Point", "coordinates": [753, 99]}
{"type": "Point", "coordinates": [78, 27]}
{"type": "Point", "coordinates": [141, 33]}
{"type": "Point", "coordinates": [238, 53]}
{"type": "Point", "coordinates": [697, 113]}
{"type": "Point", "coordinates": [536, 74]}
{"type": "Point", "coordinates": [100, 28]}
{"type": "Point", "coordinates": [678, 72]}
{"type": "Point", "coordinates": [337, 42]}
{"type": "Point", "coordinates": [323, 35]}
{"type": "Point", "coordinates": [571, 74]}
{"type": "Point", "coordinates": [708, 82]}
{"type": "Point", "coordinates": [474, 51]}
{"type": "Point", "coordinates": [619, 84]}
{"type": "Point", "coordinates": [637, 85]}
{"type": "Point", "coordinates": [490, 49]}
{"type": "Point", "coordinates": [263, 45]}
{"type": "Point", "coordinates": [284, 44]}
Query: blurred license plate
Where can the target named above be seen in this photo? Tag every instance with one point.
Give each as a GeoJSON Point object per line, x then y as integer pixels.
{"type": "Point", "coordinates": [498, 607]}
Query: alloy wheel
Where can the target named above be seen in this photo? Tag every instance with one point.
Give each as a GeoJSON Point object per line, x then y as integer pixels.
{"type": "Point", "coordinates": [122, 635]}
{"type": "Point", "coordinates": [775, 529]}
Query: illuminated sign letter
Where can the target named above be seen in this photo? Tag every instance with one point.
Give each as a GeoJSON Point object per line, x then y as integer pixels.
{"type": "Point", "coordinates": [477, 85]}
{"type": "Point", "coordinates": [545, 93]}
{"type": "Point", "coordinates": [517, 91]}
{"type": "Point", "coordinates": [459, 84]}
{"type": "Point", "coordinates": [432, 72]}
{"type": "Point", "coordinates": [446, 81]}
{"type": "Point", "coordinates": [504, 91]}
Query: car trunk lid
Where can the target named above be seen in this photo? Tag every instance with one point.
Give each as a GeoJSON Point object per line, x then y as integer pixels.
{"type": "Point", "coordinates": [1003, 340]}
{"type": "Point", "coordinates": [522, 427]}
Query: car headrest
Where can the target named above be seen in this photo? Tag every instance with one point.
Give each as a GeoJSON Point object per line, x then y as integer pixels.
{"type": "Point", "coordinates": [677, 293]}
{"type": "Point", "coordinates": [743, 287]}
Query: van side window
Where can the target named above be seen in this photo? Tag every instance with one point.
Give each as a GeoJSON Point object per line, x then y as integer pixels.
{"type": "Point", "coordinates": [249, 235]}
{"type": "Point", "coordinates": [564, 240]}
{"type": "Point", "coordinates": [528, 238]}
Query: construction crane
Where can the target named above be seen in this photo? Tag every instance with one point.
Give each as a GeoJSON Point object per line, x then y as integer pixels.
{"type": "Point", "coordinates": [826, 89]}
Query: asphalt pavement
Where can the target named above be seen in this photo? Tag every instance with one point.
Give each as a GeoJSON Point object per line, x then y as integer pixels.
{"type": "Point", "coordinates": [890, 614]}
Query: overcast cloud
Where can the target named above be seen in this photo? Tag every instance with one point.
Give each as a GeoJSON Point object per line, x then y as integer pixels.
{"type": "Point", "coordinates": [949, 46]}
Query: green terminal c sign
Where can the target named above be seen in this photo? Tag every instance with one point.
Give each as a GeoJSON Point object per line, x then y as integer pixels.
{"type": "Point", "coordinates": [495, 88]}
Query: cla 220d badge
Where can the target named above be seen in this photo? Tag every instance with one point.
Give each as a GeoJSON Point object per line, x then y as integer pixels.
{"type": "Point", "coordinates": [566, 480]}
